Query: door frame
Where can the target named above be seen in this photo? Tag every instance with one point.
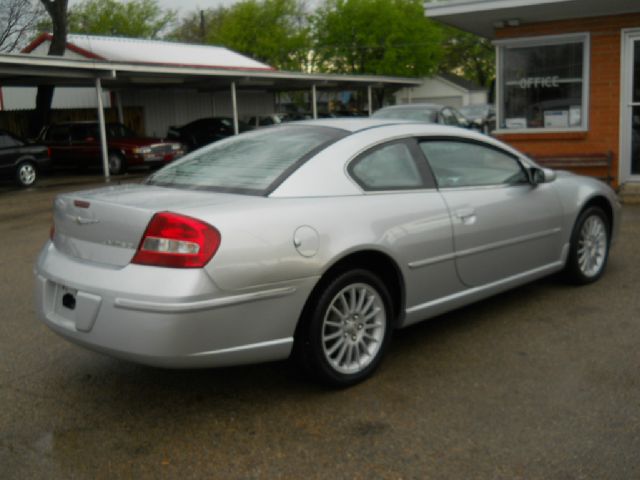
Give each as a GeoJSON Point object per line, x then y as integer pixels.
{"type": "Point", "coordinates": [628, 38]}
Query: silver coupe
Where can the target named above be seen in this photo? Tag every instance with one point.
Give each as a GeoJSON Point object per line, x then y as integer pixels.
{"type": "Point", "coordinates": [315, 239]}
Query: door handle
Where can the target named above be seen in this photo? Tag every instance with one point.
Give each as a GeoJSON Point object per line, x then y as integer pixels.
{"type": "Point", "coordinates": [467, 215]}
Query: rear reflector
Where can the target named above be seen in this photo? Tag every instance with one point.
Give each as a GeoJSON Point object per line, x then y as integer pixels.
{"type": "Point", "coordinates": [177, 241]}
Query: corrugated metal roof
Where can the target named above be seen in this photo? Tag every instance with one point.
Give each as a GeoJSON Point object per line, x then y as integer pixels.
{"type": "Point", "coordinates": [120, 49]}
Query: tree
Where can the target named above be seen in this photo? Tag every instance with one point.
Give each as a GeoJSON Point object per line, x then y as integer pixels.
{"type": "Point", "coordinates": [468, 55]}
{"type": "Point", "coordinates": [271, 31]}
{"type": "Point", "coordinates": [57, 10]}
{"type": "Point", "coordinates": [194, 28]}
{"type": "Point", "coordinates": [131, 18]}
{"type": "Point", "coordinates": [384, 37]}
{"type": "Point", "coordinates": [18, 19]}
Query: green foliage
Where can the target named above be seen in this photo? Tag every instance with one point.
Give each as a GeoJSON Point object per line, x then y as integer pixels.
{"type": "Point", "coordinates": [468, 55]}
{"type": "Point", "coordinates": [130, 18]}
{"type": "Point", "coordinates": [384, 37]}
{"type": "Point", "coordinates": [271, 31]}
{"type": "Point", "coordinates": [194, 28]}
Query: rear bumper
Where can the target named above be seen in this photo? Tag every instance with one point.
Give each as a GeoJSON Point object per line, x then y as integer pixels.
{"type": "Point", "coordinates": [187, 322]}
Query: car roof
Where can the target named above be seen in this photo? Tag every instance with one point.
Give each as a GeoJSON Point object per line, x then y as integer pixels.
{"type": "Point", "coordinates": [350, 124]}
{"type": "Point", "coordinates": [323, 174]}
{"type": "Point", "coordinates": [415, 106]}
{"type": "Point", "coordinates": [83, 122]}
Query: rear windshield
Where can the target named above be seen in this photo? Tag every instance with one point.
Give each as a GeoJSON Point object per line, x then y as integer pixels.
{"type": "Point", "coordinates": [420, 115]}
{"type": "Point", "coordinates": [253, 162]}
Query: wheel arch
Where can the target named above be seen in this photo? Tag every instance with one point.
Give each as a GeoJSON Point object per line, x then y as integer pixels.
{"type": "Point", "coordinates": [118, 151]}
{"type": "Point", "coordinates": [26, 158]}
{"type": "Point", "coordinates": [375, 261]}
{"type": "Point", "coordinates": [603, 203]}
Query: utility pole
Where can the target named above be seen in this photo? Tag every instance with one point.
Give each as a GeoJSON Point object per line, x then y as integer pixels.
{"type": "Point", "coordinates": [203, 29]}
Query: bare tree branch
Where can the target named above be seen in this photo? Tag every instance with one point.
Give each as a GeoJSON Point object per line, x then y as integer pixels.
{"type": "Point", "coordinates": [18, 20]}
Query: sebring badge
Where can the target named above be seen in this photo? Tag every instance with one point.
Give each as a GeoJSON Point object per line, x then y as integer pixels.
{"type": "Point", "coordinates": [118, 243]}
{"type": "Point", "coordinates": [86, 221]}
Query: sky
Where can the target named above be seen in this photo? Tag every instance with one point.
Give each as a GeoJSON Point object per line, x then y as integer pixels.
{"type": "Point", "coordinates": [185, 7]}
{"type": "Point", "coordinates": [188, 6]}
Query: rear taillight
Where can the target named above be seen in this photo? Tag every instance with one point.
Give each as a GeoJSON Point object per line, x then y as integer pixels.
{"type": "Point", "coordinates": [173, 240]}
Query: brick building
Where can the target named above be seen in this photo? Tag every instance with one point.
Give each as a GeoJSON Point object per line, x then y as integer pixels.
{"type": "Point", "coordinates": [568, 78]}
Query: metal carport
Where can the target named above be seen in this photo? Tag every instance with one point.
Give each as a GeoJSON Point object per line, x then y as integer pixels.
{"type": "Point", "coordinates": [28, 70]}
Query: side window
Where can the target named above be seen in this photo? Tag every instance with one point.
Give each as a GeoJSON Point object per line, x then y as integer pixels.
{"type": "Point", "coordinates": [7, 141]}
{"type": "Point", "coordinates": [79, 133]}
{"type": "Point", "coordinates": [389, 167]}
{"type": "Point", "coordinates": [464, 164]}
{"type": "Point", "coordinates": [58, 133]}
{"type": "Point", "coordinates": [449, 118]}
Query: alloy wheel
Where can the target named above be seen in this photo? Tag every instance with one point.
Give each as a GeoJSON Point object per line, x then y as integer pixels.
{"type": "Point", "coordinates": [592, 246]}
{"type": "Point", "coordinates": [353, 328]}
{"type": "Point", "coordinates": [26, 174]}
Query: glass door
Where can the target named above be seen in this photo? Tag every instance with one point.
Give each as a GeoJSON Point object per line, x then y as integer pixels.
{"type": "Point", "coordinates": [635, 108]}
{"type": "Point", "coordinates": [630, 111]}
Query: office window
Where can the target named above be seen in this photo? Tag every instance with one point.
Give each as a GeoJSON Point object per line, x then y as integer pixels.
{"type": "Point", "coordinates": [544, 83]}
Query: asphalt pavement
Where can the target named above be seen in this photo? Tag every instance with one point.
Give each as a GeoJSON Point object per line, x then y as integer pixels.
{"type": "Point", "coordinates": [539, 383]}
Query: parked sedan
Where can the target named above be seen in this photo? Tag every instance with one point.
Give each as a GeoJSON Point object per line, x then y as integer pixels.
{"type": "Point", "coordinates": [266, 120]}
{"type": "Point", "coordinates": [425, 112]}
{"type": "Point", "coordinates": [317, 238]}
{"type": "Point", "coordinates": [482, 117]}
{"type": "Point", "coordinates": [21, 160]}
{"type": "Point", "coordinates": [204, 131]}
{"type": "Point", "coordinates": [77, 145]}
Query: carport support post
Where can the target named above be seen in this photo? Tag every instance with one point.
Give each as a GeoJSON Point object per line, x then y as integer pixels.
{"type": "Point", "coordinates": [314, 101]}
{"type": "Point", "coordinates": [119, 107]}
{"type": "Point", "coordinates": [234, 105]}
{"type": "Point", "coordinates": [103, 130]}
{"type": "Point", "coordinates": [369, 100]}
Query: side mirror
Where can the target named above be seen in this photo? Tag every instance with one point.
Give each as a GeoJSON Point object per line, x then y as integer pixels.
{"type": "Point", "coordinates": [541, 175]}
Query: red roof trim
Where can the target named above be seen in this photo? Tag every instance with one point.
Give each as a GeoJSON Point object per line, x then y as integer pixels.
{"type": "Point", "coordinates": [39, 40]}
{"type": "Point", "coordinates": [43, 37]}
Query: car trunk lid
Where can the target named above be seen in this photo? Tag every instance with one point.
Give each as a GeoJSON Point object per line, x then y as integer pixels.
{"type": "Point", "coordinates": [106, 225]}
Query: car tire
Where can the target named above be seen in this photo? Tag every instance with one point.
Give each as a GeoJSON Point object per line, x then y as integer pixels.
{"type": "Point", "coordinates": [117, 164]}
{"type": "Point", "coordinates": [589, 249]}
{"type": "Point", "coordinates": [26, 174]}
{"type": "Point", "coordinates": [346, 328]}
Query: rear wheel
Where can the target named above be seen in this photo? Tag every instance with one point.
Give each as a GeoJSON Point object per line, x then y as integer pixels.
{"type": "Point", "coordinates": [26, 174]}
{"type": "Point", "coordinates": [589, 247]}
{"type": "Point", "coordinates": [346, 329]}
{"type": "Point", "coordinates": [117, 164]}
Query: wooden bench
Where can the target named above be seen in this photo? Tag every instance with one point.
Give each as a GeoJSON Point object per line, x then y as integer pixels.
{"type": "Point", "coordinates": [579, 162]}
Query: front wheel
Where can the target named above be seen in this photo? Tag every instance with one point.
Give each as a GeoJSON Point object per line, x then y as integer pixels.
{"type": "Point", "coordinates": [117, 164]}
{"type": "Point", "coordinates": [346, 328]}
{"type": "Point", "coordinates": [26, 174]}
{"type": "Point", "coordinates": [589, 247]}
